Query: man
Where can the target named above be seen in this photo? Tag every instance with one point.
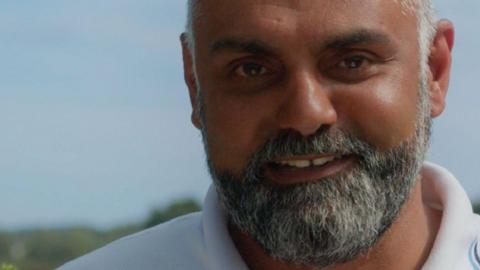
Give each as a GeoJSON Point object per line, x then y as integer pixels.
{"type": "Point", "coordinates": [316, 118]}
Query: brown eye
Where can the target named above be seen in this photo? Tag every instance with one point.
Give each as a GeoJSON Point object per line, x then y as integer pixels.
{"type": "Point", "coordinates": [354, 62]}
{"type": "Point", "coordinates": [251, 70]}
{"type": "Point", "coordinates": [353, 68]}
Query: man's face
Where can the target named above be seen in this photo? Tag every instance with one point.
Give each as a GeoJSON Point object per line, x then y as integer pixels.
{"type": "Point", "coordinates": [270, 66]}
{"type": "Point", "coordinates": [314, 126]}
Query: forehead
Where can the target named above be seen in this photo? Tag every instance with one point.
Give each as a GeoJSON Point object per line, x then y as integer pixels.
{"type": "Point", "coordinates": [305, 18]}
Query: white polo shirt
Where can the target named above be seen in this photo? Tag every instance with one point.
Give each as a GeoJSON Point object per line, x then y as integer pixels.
{"type": "Point", "coordinates": [200, 241]}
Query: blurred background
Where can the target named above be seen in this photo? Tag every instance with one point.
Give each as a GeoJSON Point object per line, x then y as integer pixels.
{"type": "Point", "coordinates": [95, 136]}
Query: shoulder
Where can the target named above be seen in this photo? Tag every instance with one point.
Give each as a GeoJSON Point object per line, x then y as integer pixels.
{"type": "Point", "coordinates": [177, 244]}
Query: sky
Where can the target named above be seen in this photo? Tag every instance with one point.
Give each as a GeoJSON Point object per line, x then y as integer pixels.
{"type": "Point", "coordinates": [95, 118]}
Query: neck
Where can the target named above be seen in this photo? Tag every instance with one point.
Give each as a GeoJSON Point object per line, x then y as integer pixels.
{"type": "Point", "coordinates": [405, 245]}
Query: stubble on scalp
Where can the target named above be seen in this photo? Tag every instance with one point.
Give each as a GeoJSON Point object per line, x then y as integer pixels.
{"type": "Point", "coordinates": [408, 7]}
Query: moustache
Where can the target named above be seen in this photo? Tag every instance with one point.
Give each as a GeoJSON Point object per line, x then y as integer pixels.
{"type": "Point", "coordinates": [291, 143]}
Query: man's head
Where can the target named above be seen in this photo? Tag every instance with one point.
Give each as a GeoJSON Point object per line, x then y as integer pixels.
{"type": "Point", "coordinates": [315, 115]}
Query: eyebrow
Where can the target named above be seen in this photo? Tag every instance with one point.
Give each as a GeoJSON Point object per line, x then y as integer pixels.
{"type": "Point", "coordinates": [240, 45]}
{"type": "Point", "coordinates": [357, 37]}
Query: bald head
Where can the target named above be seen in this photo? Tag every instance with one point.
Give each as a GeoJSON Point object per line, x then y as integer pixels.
{"type": "Point", "coordinates": [422, 9]}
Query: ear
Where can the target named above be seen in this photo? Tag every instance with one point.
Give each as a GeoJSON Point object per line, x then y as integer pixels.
{"type": "Point", "coordinates": [440, 62]}
{"type": "Point", "coordinates": [190, 79]}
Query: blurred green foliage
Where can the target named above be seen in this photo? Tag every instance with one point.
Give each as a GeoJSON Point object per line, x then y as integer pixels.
{"type": "Point", "coordinates": [7, 267]}
{"type": "Point", "coordinates": [175, 209]}
{"type": "Point", "coordinates": [476, 208]}
{"type": "Point", "coordinates": [47, 249]}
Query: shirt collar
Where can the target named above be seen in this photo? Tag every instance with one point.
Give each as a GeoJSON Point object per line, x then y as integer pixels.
{"type": "Point", "coordinates": [219, 245]}
{"type": "Point", "coordinates": [441, 190]}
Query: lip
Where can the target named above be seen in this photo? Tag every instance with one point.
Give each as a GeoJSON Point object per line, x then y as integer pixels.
{"type": "Point", "coordinates": [286, 175]}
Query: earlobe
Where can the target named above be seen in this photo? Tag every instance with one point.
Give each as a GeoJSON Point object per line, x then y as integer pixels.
{"type": "Point", "coordinates": [440, 62]}
{"type": "Point", "coordinates": [196, 120]}
{"type": "Point", "coordinates": [190, 80]}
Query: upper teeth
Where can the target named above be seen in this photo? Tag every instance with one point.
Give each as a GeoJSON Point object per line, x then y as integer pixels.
{"type": "Point", "coordinates": [308, 163]}
{"type": "Point", "coordinates": [321, 161]}
{"type": "Point", "coordinates": [297, 163]}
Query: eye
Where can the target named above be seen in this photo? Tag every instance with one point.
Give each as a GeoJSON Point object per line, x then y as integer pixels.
{"type": "Point", "coordinates": [353, 68]}
{"type": "Point", "coordinates": [354, 62]}
{"type": "Point", "coordinates": [251, 70]}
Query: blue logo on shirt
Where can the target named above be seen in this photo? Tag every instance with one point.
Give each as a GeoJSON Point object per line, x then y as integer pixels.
{"type": "Point", "coordinates": [474, 255]}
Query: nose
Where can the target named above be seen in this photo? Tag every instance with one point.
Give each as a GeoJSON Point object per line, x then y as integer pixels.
{"type": "Point", "coordinates": [306, 105]}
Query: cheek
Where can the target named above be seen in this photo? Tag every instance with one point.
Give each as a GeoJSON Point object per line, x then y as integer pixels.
{"type": "Point", "coordinates": [236, 128]}
{"type": "Point", "coordinates": [383, 113]}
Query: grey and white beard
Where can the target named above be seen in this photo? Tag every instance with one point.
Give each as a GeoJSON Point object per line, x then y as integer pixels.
{"type": "Point", "coordinates": [332, 220]}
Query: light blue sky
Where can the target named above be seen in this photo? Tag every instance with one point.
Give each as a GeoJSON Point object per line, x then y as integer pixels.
{"type": "Point", "coordinates": [94, 115]}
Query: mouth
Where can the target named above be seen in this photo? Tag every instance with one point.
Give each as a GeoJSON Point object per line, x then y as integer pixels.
{"type": "Point", "coordinates": [301, 169]}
